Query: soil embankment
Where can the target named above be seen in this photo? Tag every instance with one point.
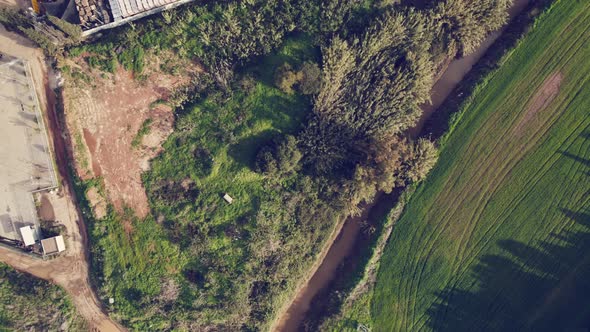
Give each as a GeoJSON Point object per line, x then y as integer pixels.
{"type": "Point", "coordinates": [343, 245]}
{"type": "Point", "coordinates": [103, 116]}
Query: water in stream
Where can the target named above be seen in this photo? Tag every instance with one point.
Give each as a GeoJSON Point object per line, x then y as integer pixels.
{"type": "Point", "coordinates": [344, 245]}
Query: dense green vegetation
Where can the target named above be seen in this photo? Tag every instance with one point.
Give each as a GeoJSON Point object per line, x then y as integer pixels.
{"type": "Point", "coordinates": [31, 304]}
{"type": "Point", "coordinates": [497, 236]}
{"type": "Point", "coordinates": [299, 116]}
{"type": "Point", "coordinates": [213, 152]}
{"type": "Point", "coordinates": [133, 261]}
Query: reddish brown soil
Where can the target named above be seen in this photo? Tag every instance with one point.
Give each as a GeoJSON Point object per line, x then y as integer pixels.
{"type": "Point", "coordinates": [91, 143]}
{"type": "Point", "coordinates": [108, 114]}
{"type": "Point", "coordinates": [544, 96]}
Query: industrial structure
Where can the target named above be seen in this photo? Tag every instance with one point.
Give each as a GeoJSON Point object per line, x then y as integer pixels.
{"type": "Point", "coordinates": [26, 165]}
{"type": "Point", "coordinates": [97, 15]}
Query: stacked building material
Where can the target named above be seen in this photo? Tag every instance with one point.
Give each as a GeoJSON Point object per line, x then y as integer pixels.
{"type": "Point", "coordinates": [92, 13]}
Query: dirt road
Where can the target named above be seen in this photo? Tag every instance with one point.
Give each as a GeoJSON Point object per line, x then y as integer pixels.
{"type": "Point", "coordinates": [69, 271]}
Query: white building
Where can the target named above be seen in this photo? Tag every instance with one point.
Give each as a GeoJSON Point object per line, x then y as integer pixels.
{"type": "Point", "coordinates": [53, 245]}
{"type": "Point", "coordinates": [29, 235]}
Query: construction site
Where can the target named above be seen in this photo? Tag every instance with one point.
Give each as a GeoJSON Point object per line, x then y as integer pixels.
{"type": "Point", "coordinates": [26, 164]}
{"type": "Point", "coordinates": [97, 15]}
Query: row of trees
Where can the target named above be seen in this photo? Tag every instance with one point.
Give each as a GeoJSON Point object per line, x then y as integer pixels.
{"type": "Point", "coordinates": [374, 84]}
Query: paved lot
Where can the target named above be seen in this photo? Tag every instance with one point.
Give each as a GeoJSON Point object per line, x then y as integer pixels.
{"type": "Point", "coordinates": [25, 161]}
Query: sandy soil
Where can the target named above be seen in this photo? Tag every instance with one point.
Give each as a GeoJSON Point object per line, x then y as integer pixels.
{"type": "Point", "coordinates": [71, 269]}
{"type": "Point", "coordinates": [106, 116]}
{"type": "Point", "coordinates": [544, 96]}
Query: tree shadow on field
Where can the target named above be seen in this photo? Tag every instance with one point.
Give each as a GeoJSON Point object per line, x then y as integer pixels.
{"type": "Point", "coordinates": [244, 152]}
{"type": "Point", "coordinates": [284, 113]}
{"type": "Point", "coordinates": [539, 287]}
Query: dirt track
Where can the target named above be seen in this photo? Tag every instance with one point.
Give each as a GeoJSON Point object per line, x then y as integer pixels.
{"type": "Point", "coordinates": [70, 271]}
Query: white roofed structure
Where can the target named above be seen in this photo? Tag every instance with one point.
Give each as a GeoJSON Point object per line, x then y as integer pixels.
{"type": "Point", "coordinates": [28, 233]}
{"type": "Point", "coordinates": [228, 198]}
{"type": "Point", "coordinates": [53, 245]}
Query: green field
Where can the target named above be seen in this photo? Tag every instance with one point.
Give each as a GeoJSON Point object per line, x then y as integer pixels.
{"type": "Point", "coordinates": [498, 236]}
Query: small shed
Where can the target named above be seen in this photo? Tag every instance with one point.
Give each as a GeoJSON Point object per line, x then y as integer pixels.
{"type": "Point", "coordinates": [228, 198]}
{"type": "Point", "coordinates": [53, 245]}
{"type": "Point", "coordinates": [28, 235]}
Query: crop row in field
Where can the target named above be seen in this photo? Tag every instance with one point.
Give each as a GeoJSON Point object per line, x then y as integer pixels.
{"type": "Point", "coordinates": [497, 237]}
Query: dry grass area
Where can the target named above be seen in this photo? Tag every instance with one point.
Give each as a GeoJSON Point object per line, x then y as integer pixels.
{"type": "Point", "coordinates": [104, 113]}
{"type": "Point", "coordinates": [542, 98]}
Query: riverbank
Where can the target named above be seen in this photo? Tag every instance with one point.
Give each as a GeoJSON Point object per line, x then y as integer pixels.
{"type": "Point", "coordinates": [495, 238]}
{"type": "Point", "coordinates": [453, 87]}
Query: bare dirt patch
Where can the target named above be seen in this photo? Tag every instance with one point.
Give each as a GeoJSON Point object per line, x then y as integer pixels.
{"type": "Point", "coordinates": [99, 204]}
{"type": "Point", "coordinates": [108, 112]}
{"type": "Point", "coordinates": [46, 212]}
{"type": "Point", "coordinates": [544, 96]}
{"type": "Point", "coordinates": [91, 144]}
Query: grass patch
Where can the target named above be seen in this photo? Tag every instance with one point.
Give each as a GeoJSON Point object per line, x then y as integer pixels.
{"type": "Point", "coordinates": [144, 130]}
{"type": "Point", "coordinates": [496, 238]}
{"type": "Point", "coordinates": [31, 304]}
{"type": "Point", "coordinates": [81, 149]}
{"type": "Point", "coordinates": [133, 262]}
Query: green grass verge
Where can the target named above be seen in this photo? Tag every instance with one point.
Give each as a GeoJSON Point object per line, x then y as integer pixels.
{"type": "Point", "coordinates": [31, 304]}
{"type": "Point", "coordinates": [133, 262]}
{"type": "Point", "coordinates": [497, 237]}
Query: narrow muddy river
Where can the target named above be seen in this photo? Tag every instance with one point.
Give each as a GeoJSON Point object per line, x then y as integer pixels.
{"type": "Point", "coordinates": [344, 244]}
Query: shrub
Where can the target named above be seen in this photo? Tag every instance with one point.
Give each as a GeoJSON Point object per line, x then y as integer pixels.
{"type": "Point", "coordinates": [73, 31]}
{"type": "Point", "coordinates": [281, 157]}
{"type": "Point", "coordinates": [311, 78]}
{"type": "Point", "coordinates": [286, 78]}
{"type": "Point", "coordinates": [421, 160]}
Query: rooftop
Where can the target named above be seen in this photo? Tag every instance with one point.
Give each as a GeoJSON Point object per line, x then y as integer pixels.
{"type": "Point", "coordinates": [28, 234]}
{"type": "Point", "coordinates": [124, 8]}
{"type": "Point", "coordinates": [53, 245]}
